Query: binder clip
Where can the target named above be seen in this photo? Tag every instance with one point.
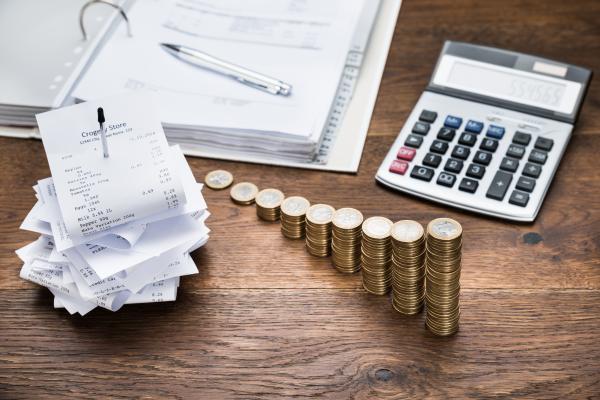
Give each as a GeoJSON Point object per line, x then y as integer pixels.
{"type": "Point", "coordinates": [101, 121]}
{"type": "Point", "coordinates": [108, 3]}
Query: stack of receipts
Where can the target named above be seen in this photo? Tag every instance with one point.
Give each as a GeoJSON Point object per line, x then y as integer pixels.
{"type": "Point", "coordinates": [114, 230]}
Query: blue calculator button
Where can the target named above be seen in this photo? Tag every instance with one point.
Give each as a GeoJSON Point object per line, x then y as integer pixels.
{"type": "Point", "coordinates": [495, 131]}
{"type": "Point", "coordinates": [474, 126]}
{"type": "Point", "coordinates": [453, 122]}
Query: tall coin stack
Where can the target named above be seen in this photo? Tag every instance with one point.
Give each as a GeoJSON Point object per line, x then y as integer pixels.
{"type": "Point", "coordinates": [318, 229]}
{"type": "Point", "coordinates": [408, 267]}
{"type": "Point", "coordinates": [268, 204]}
{"type": "Point", "coordinates": [444, 244]}
{"type": "Point", "coordinates": [376, 255]}
{"type": "Point", "coordinates": [345, 240]}
{"type": "Point", "coordinates": [293, 213]}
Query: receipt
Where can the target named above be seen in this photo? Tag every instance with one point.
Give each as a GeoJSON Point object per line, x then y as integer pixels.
{"type": "Point", "coordinates": [138, 179]}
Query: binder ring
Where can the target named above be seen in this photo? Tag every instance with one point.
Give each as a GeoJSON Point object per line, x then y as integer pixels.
{"type": "Point", "coordinates": [108, 3]}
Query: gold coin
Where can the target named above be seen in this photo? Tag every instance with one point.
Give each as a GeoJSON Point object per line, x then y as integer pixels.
{"type": "Point", "coordinates": [218, 179]}
{"type": "Point", "coordinates": [244, 193]}
{"type": "Point", "coordinates": [295, 206]}
{"type": "Point", "coordinates": [269, 198]}
{"type": "Point", "coordinates": [377, 227]}
{"type": "Point", "coordinates": [347, 218]}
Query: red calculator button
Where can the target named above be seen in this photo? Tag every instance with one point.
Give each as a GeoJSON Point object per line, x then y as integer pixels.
{"type": "Point", "coordinates": [406, 153]}
{"type": "Point", "coordinates": [399, 167]}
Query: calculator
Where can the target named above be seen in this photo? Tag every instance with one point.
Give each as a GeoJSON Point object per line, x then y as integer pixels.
{"type": "Point", "coordinates": [488, 132]}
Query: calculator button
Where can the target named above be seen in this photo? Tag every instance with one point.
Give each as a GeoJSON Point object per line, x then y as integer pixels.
{"type": "Point", "coordinates": [399, 167]}
{"type": "Point", "coordinates": [461, 152]}
{"type": "Point", "coordinates": [468, 139]}
{"type": "Point", "coordinates": [522, 138]}
{"type": "Point", "coordinates": [446, 179]}
{"type": "Point", "coordinates": [495, 131]}
{"type": "Point", "coordinates": [532, 170]}
{"type": "Point", "coordinates": [428, 116]}
{"type": "Point", "coordinates": [483, 158]}
{"type": "Point", "coordinates": [516, 151]}
{"type": "Point", "coordinates": [489, 145]}
{"type": "Point", "coordinates": [499, 185]}
{"type": "Point", "coordinates": [526, 184]}
{"type": "Point", "coordinates": [422, 173]}
{"type": "Point", "coordinates": [406, 153]}
{"type": "Point", "coordinates": [453, 122]}
{"type": "Point", "coordinates": [544, 144]}
{"type": "Point", "coordinates": [476, 171]}
{"type": "Point", "coordinates": [474, 126]}
{"type": "Point", "coordinates": [446, 134]}
{"type": "Point", "coordinates": [468, 185]}
{"type": "Point", "coordinates": [519, 198]}
{"type": "Point", "coordinates": [537, 156]}
{"type": "Point", "coordinates": [432, 160]}
{"type": "Point", "coordinates": [453, 165]}
{"type": "Point", "coordinates": [437, 146]}
{"type": "Point", "coordinates": [509, 164]}
{"type": "Point", "coordinates": [421, 128]}
{"type": "Point", "coordinates": [414, 141]}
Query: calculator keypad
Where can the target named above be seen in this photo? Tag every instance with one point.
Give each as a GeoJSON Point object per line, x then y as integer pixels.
{"type": "Point", "coordinates": [422, 173]}
{"type": "Point", "coordinates": [413, 141]}
{"type": "Point", "coordinates": [457, 157]}
{"type": "Point", "coordinates": [489, 145]}
{"type": "Point", "coordinates": [446, 134]}
{"type": "Point", "coordinates": [421, 128]}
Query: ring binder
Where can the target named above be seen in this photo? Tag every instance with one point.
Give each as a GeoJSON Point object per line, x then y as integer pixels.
{"type": "Point", "coordinates": [108, 3]}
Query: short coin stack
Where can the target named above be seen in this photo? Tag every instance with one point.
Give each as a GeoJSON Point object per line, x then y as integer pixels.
{"type": "Point", "coordinates": [376, 255]}
{"type": "Point", "coordinates": [408, 266]}
{"type": "Point", "coordinates": [243, 193]}
{"type": "Point", "coordinates": [444, 243]}
{"type": "Point", "coordinates": [345, 240]}
{"type": "Point", "coordinates": [293, 213]}
{"type": "Point", "coordinates": [318, 229]}
{"type": "Point", "coordinates": [268, 204]}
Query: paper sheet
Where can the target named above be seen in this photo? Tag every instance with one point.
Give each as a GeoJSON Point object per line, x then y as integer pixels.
{"type": "Point", "coordinates": [97, 193]}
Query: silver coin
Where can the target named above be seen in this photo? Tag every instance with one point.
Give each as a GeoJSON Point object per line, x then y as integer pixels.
{"type": "Point", "coordinates": [244, 192]}
{"type": "Point", "coordinates": [445, 228]}
{"type": "Point", "coordinates": [377, 227]}
{"type": "Point", "coordinates": [347, 218]}
{"type": "Point", "coordinates": [269, 198]}
{"type": "Point", "coordinates": [218, 179]}
{"type": "Point", "coordinates": [320, 214]}
{"type": "Point", "coordinates": [295, 206]}
{"type": "Point", "coordinates": [407, 231]}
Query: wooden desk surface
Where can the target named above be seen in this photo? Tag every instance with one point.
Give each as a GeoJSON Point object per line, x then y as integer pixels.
{"type": "Point", "coordinates": [264, 319]}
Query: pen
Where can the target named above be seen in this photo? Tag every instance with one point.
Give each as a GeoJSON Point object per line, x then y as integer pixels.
{"type": "Point", "coordinates": [101, 121]}
{"type": "Point", "coordinates": [241, 74]}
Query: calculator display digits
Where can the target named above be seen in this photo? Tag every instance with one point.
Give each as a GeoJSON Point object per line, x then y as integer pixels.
{"type": "Point", "coordinates": [488, 133]}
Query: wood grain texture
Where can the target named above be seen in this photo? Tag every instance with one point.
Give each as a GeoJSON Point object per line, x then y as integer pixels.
{"type": "Point", "coordinates": [263, 319]}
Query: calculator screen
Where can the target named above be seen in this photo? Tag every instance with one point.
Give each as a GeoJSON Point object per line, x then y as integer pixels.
{"type": "Point", "coordinates": [508, 84]}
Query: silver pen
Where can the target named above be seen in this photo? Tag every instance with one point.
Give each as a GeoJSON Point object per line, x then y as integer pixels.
{"type": "Point", "coordinates": [241, 74]}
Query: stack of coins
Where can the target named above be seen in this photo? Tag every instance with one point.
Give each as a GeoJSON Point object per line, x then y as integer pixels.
{"type": "Point", "coordinates": [268, 204]}
{"type": "Point", "coordinates": [408, 267]}
{"type": "Point", "coordinates": [345, 240]}
{"type": "Point", "coordinates": [243, 193]}
{"type": "Point", "coordinates": [444, 243]}
{"type": "Point", "coordinates": [318, 229]}
{"type": "Point", "coordinates": [376, 255]}
{"type": "Point", "coordinates": [293, 213]}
